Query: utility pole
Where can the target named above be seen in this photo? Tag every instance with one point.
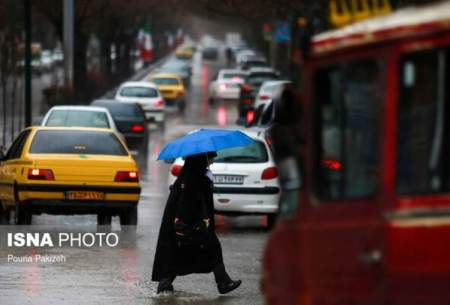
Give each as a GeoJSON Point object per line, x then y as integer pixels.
{"type": "Point", "coordinates": [68, 30]}
{"type": "Point", "coordinates": [28, 97]}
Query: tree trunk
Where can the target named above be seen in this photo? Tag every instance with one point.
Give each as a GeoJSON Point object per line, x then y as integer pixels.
{"type": "Point", "coordinates": [105, 53]}
{"type": "Point", "coordinates": [82, 90]}
{"type": "Point", "coordinates": [13, 106]}
{"type": "Point", "coordinates": [4, 85]}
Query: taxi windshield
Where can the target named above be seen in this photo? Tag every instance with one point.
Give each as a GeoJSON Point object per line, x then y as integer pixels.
{"type": "Point", "coordinates": [76, 142]}
{"type": "Point", "coordinates": [165, 81]}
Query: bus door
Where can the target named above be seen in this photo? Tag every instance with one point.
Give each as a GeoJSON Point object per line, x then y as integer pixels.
{"type": "Point", "coordinates": [343, 225]}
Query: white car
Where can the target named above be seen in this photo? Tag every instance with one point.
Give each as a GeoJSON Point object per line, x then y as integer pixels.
{"type": "Point", "coordinates": [243, 55]}
{"type": "Point", "coordinates": [227, 85]}
{"type": "Point", "coordinates": [147, 95]}
{"type": "Point", "coordinates": [47, 60]}
{"type": "Point", "coordinates": [79, 116]}
{"type": "Point", "coordinates": [268, 91]}
{"type": "Point", "coordinates": [246, 179]}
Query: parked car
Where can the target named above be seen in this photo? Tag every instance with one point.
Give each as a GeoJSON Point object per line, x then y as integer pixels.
{"type": "Point", "coordinates": [147, 95]}
{"type": "Point", "coordinates": [171, 87]}
{"type": "Point", "coordinates": [69, 170]}
{"type": "Point", "coordinates": [210, 53]}
{"type": "Point", "coordinates": [47, 62]}
{"type": "Point", "coordinates": [254, 80]}
{"type": "Point", "coordinates": [79, 116]}
{"type": "Point", "coordinates": [226, 86]}
{"type": "Point", "coordinates": [130, 121]}
{"type": "Point", "coordinates": [58, 56]}
{"type": "Point", "coordinates": [245, 179]}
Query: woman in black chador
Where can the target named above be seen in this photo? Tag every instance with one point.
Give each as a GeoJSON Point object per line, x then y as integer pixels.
{"type": "Point", "coordinates": [195, 185]}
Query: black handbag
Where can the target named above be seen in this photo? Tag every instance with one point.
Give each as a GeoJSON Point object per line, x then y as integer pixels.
{"type": "Point", "coordinates": [191, 235]}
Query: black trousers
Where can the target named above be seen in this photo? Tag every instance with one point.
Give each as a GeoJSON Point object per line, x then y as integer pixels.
{"type": "Point", "coordinates": [220, 274]}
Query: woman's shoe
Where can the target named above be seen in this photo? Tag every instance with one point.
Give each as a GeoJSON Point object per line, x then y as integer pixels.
{"type": "Point", "coordinates": [165, 289]}
{"type": "Point", "coordinates": [165, 285]}
{"type": "Point", "coordinates": [228, 286]}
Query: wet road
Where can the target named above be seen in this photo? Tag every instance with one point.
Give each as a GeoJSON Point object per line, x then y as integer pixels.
{"type": "Point", "coordinates": [122, 274]}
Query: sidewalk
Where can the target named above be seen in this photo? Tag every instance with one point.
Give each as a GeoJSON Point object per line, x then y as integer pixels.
{"type": "Point", "coordinates": [38, 83]}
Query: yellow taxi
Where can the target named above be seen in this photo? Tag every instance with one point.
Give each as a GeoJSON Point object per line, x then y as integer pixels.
{"type": "Point", "coordinates": [184, 52]}
{"type": "Point", "coordinates": [69, 170]}
{"type": "Point", "coordinates": [171, 87]}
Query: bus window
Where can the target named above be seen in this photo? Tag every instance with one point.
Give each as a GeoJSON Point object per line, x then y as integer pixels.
{"type": "Point", "coordinates": [423, 123]}
{"type": "Point", "coordinates": [348, 100]}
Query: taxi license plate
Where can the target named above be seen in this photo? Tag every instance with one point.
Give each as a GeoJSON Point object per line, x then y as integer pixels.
{"type": "Point", "coordinates": [228, 179]}
{"type": "Point", "coordinates": [85, 195]}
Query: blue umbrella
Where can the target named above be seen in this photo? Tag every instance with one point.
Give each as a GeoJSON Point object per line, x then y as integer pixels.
{"type": "Point", "coordinates": [204, 140]}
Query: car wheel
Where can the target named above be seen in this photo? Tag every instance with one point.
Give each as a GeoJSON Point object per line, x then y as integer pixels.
{"type": "Point", "coordinates": [181, 106]}
{"type": "Point", "coordinates": [104, 219]}
{"type": "Point", "coordinates": [129, 217]}
{"type": "Point", "coordinates": [271, 220]}
{"type": "Point", "coordinates": [4, 215]}
{"type": "Point", "coordinates": [23, 215]}
{"type": "Point", "coordinates": [162, 125]}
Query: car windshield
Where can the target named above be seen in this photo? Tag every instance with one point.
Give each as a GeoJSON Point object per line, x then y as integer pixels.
{"type": "Point", "coordinates": [180, 70]}
{"type": "Point", "coordinates": [165, 81]}
{"type": "Point", "coordinates": [138, 92]}
{"type": "Point", "coordinates": [257, 79]}
{"type": "Point", "coordinates": [79, 118]}
{"type": "Point", "coordinates": [253, 153]}
{"type": "Point", "coordinates": [268, 89]}
{"type": "Point", "coordinates": [237, 76]}
{"type": "Point", "coordinates": [123, 110]}
{"type": "Point", "coordinates": [76, 142]}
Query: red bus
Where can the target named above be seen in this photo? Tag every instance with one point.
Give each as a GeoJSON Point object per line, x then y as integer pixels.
{"type": "Point", "coordinates": [370, 223]}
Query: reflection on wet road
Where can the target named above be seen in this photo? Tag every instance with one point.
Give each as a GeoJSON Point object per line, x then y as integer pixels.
{"type": "Point", "coordinates": [122, 274]}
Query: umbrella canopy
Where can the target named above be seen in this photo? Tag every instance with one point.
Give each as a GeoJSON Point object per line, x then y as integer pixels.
{"type": "Point", "coordinates": [204, 140]}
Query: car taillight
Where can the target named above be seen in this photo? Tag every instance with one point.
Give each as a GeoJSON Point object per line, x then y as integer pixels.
{"type": "Point", "coordinates": [331, 164]}
{"type": "Point", "coordinates": [264, 97]}
{"type": "Point", "coordinates": [137, 128]}
{"type": "Point", "coordinates": [222, 87]}
{"type": "Point", "coordinates": [246, 88]}
{"type": "Point", "coordinates": [127, 176]}
{"type": "Point", "coordinates": [159, 103]}
{"type": "Point", "coordinates": [248, 101]}
{"type": "Point", "coordinates": [180, 93]}
{"type": "Point", "coordinates": [176, 170]}
{"type": "Point", "coordinates": [40, 174]}
{"type": "Point", "coordinates": [269, 173]}
{"type": "Point", "coordinates": [250, 116]}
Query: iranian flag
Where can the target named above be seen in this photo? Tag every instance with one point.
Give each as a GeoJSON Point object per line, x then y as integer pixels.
{"type": "Point", "coordinates": [145, 42]}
